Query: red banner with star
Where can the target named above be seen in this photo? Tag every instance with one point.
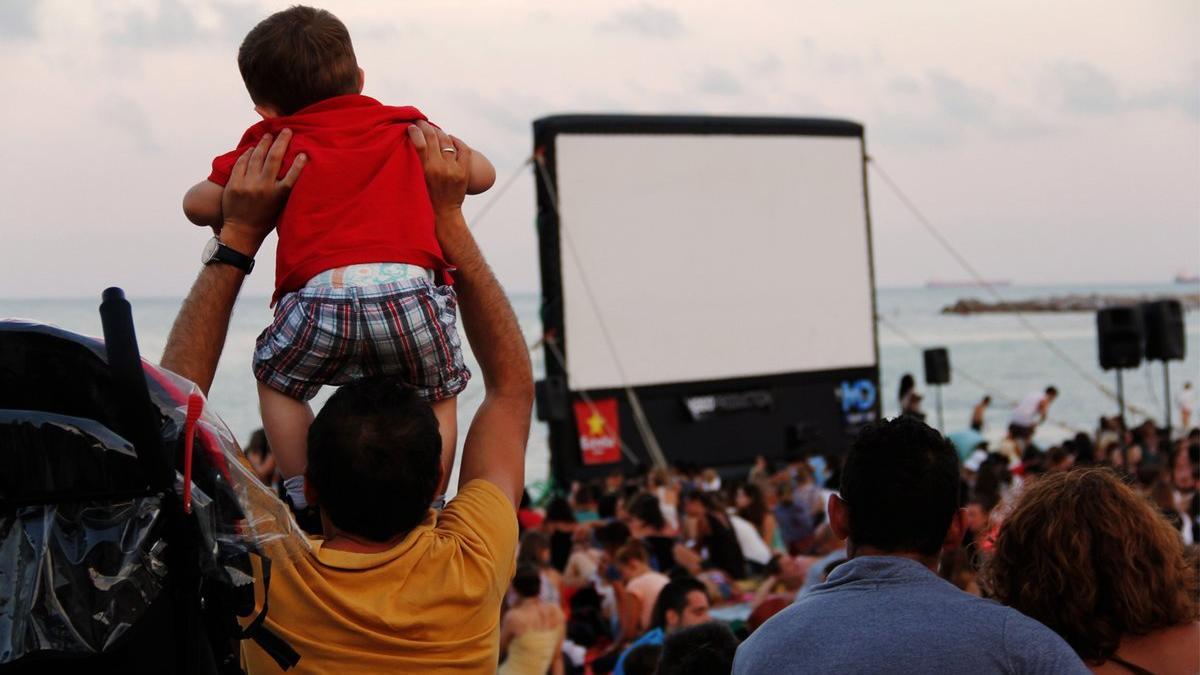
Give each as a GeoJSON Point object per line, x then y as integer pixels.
{"type": "Point", "coordinates": [599, 433]}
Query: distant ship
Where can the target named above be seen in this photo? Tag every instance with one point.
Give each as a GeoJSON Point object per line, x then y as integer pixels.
{"type": "Point", "coordinates": [1185, 278]}
{"type": "Point", "coordinates": [968, 283]}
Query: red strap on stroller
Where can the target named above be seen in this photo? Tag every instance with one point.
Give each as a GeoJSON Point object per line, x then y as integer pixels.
{"type": "Point", "coordinates": [195, 406]}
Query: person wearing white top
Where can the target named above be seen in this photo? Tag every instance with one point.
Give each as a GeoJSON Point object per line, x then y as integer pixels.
{"type": "Point", "coordinates": [1030, 412]}
{"type": "Point", "coordinates": [1187, 406]}
{"type": "Point", "coordinates": [751, 542]}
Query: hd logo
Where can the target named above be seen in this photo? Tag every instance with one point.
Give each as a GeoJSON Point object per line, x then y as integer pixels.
{"type": "Point", "coordinates": [857, 396]}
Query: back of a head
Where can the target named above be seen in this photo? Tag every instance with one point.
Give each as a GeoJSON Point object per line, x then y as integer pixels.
{"type": "Point", "coordinates": [527, 582]}
{"type": "Point", "coordinates": [374, 458]}
{"type": "Point", "coordinates": [1086, 556]}
{"type": "Point", "coordinates": [900, 482]}
{"type": "Point", "coordinates": [633, 551]}
{"type": "Point", "coordinates": [533, 548]}
{"type": "Point", "coordinates": [642, 660]}
{"type": "Point", "coordinates": [706, 649]}
{"type": "Point", "coordinates": [673, 597]}
{"type": "Point", "coordinates": [646, 508]}
{"type": "Point", "coordinates": [298, 57]}
{"type": "Point", "coordinates": [558, 510]}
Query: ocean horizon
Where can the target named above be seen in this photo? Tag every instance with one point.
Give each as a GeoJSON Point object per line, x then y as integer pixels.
{"type": "Point", "coordinates": [996, 350]}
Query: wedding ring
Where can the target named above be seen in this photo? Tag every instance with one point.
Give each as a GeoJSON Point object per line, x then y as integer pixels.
{"type": "Point", "coordinates": [449, 150]}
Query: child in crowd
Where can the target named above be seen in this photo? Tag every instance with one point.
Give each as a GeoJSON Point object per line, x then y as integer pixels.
{"type": "Point", "coordinates": [360, 281]}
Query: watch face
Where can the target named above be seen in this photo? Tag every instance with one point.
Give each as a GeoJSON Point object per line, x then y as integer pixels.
{"type": "Point", "coordinates": [210, 250]}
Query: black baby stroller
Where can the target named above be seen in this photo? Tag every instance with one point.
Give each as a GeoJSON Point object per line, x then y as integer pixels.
{"type": "Point", "coordinates": [128, 518]}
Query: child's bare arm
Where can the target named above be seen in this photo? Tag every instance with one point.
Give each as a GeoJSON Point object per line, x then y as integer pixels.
{"type": "Point", "coordinates": [481, 175]}
{"type": "Point", "coordinates": [202, 204]}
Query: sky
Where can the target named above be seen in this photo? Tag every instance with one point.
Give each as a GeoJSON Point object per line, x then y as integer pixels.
{"type": "Point", "coordinates": [1050, 142]}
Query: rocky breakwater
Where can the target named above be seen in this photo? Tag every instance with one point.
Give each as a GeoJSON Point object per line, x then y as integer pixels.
{"type": "Point", "coordinates": [1062, 303]}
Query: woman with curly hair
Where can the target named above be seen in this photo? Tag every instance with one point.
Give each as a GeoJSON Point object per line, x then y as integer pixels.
{"type": "Point", "coordinates": [1085, 555]}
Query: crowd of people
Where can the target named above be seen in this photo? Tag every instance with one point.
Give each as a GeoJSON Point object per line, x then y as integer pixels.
{"type": "Point", "coordinates": [761, 542]}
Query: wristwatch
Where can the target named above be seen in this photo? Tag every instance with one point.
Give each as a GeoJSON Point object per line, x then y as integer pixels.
{"type": "Point", "coordinates": [216, 251]}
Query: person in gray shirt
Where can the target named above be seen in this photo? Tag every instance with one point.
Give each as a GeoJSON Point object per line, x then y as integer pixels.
{"type": "Point", "coordinates": [886, 610]}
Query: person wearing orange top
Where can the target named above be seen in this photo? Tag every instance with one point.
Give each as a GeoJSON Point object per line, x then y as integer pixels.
{"type": "Point", "coordinates": [392, 587]}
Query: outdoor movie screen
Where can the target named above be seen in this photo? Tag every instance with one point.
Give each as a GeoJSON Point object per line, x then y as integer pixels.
{"type": "Point", "coordinates": [707, 257]}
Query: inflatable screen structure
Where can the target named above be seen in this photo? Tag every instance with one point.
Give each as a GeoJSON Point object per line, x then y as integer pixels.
{"type": "Point", "coordinates": [707, 289]}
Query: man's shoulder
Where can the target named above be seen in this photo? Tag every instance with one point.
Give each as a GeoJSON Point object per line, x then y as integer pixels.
{"type": "Point", "coordinates": [481, 514]}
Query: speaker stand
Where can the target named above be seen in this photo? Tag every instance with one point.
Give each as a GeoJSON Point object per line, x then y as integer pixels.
{"type": "Point", "coordinates": [941, 422]}
{"type": "Point", "coordinates": [1121, 396]}
{"type": "Point", "coordinates": [1121, 402]}
{"type": "Point", "coordinates": [1167, 394]}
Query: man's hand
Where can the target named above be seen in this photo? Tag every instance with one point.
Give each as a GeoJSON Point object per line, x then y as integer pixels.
{"type": "Point", "coordinates": [447, 162]}
{"type": "Point", "coordinates": [494, 449]}
{"type": "Point", "coordinates": [252, 199]}
{"type": "Point", "coordinates": [255, 194]}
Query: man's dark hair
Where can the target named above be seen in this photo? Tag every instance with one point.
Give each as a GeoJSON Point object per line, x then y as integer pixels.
{"type": "Point", "coordinates": [374, 458]}
{"type": "Point", "coordinates": [642, 660]}
{"type": "Point", "coordinates": [699, 650]}
{"type": "Point", "coordinates": [612, 535]}
{"type": "Point", "coordinates": [900, 483]}
{"type": "Point", "coordinates": [559, 511]}
{"type": "Point", "coordinates": [298, 57]}
{"type": "Point", "coordinates": [528, 581]}
{"type": "Point", "coordinates": [646, 508]}
{"type": "Point", "coordinates": [673, 596]}
{"type": "Point", "coordinates": [1052, 391]}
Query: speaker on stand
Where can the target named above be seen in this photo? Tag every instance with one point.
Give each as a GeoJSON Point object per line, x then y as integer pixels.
{"type": "Point", "coordinates": [1122, 342]}
{"type": "Point", "coordinates": [1164, 329]}
{"type": "Point", "coordinates": [937, 373]}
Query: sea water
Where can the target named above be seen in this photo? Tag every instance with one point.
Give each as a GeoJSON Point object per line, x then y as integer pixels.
{"type": "Point", "coordinates": [996, 350]}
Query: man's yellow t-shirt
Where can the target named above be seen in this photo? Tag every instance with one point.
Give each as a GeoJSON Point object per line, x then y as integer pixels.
{"type": "Point", "coordinates": [430, 604]}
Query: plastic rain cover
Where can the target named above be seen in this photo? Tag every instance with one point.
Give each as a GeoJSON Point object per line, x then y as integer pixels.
{"type": "Point", "coordinates": [81, 534]}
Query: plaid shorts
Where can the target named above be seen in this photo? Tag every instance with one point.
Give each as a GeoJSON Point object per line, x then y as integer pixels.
{"type": "Point", "coordinates": [324, 335]}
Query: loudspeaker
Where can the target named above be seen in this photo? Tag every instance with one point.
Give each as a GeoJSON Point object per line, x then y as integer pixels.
{"type": "Point", "coordinates": [1121, 337]}
{"type": "Point", "coordinates": [1163, 320]}
{"type": "Point", "coordinates": [550, 395]}
{"type": "Point", "coordinates": [937, 366]}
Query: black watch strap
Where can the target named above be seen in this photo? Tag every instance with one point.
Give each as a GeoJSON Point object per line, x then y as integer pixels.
{"type": "Point", "coordinates": [217, 251]}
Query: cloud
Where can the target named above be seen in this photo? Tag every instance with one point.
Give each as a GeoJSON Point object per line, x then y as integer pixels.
{"type": "Point", "coordinates": [1084, 89]}
{"type": "Point", "coordinates": [904, 85]}
{"type": "Point", "coordinates": [17, 19]}
{"type": "Point", "coordinates": [941, 110]}
{"type": "Point", "coordinates": [961, 101]}
{"type": "Point", "coordinates": [645, 20]}
{"type": "Point", "coordinates": [175, 22]}
{"type": "Point", "coordinates": [768, 65]}
{"type": "Point", "coordinates": [720, 82]}
{"type": "Point", "coordinates": [127, 117]}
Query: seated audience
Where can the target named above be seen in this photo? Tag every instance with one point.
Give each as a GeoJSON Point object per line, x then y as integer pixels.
{"type": "Point", "coordinates": [1085, 555]}
{"type": "Point", "coordinates": [886, 609]}
{"type": "Point", "coordinates": [532, 631]}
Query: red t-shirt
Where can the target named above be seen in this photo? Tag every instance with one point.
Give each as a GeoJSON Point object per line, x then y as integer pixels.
{"type": "Point", "coordinates": [361, 198]}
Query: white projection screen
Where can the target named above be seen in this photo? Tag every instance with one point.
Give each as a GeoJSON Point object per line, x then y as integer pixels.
{"type": "Point", "coordinates": [704, 257]}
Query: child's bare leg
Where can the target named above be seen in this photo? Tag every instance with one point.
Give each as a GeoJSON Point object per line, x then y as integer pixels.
{"type": "Point", "coordinates": [446, 412]}
{"type": "Point", "coordinates": [286, 421]}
